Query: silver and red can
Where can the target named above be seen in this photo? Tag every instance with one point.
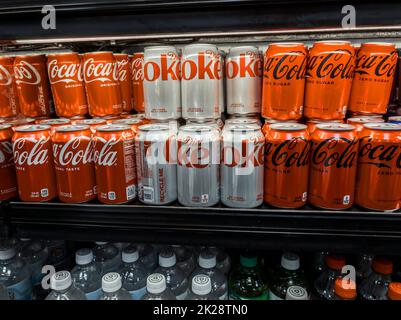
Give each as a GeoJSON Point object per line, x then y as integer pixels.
{"type": "Point", "coordinates": [156, 159]}
{"type": "Point", "coordinates": [211, 122]}
{"type": "Point", "coordinates": [242, 166]}
{"type": "Point", "coordinates": [201, 81]}
{"type": "Point", "coordinates": [124, 76]}
{"type": "Point", "coordinates": [161, 83]}
{"type": "Point", "coordinates": [244, 80]}
{"type": "Point", "coordinates": [198, 165]}
{"type": "Point", "coordinates": [8, 181]}
{"type": "Point", "coordinates": [114, 157]}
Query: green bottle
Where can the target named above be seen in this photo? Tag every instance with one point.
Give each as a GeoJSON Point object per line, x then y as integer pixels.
{"type": "Point", "coordinates": [247, 281]}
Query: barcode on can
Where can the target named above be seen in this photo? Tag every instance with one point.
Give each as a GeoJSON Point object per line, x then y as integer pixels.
{"type": "Point", "coordinates": [131, 192]}
{"type": "Point", "coordinates": [111, 195]}
{"type": "Point", "coordinates": [44, 193]}
{"type": "Point", "coordinates": [346, 199]}
{"type": "Point", "coordinates": [148, 194]}
{"type": "Point", "coordinates": [204, 198]}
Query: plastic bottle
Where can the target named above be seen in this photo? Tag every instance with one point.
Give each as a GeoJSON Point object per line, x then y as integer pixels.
{"type": "Point", "coordinates": [148, 256]}
{"type": "Point", "coordinates": [364, 266]}
{"type": "Point", "coordinates": [175, 278]}
{"type": "Point", "coordinates": [296, 293]}
{"type": "Point", "coordinates": [207, 266]}
{"type": "Point", "coordinates": [14, 273]}
{"type": "Point", "coordinates": [324, 283]}
{"type": "Point", "coordinates": [344, 289]}
{"type": "Point", "coordinates": [133, 273]}
{"type": "Point", "coordinates": [394, 291]}
{"type": "Point", "coordinates": [107, 257]}
{"type": "Point", "coordinates": [112, 288]}
{"type": "Point", "coordinates": [58, 254]}
{"type": "Point", "coordinates": [185, 259]}
{"type": "Point", "coordinates": [288, 274]}
{"type": "Point", "coordinates": [63, 288]}
{"type": "Point", "coordinates": [247, 281]}
{"type": "Point", "coordinates": [375, 286]}
{"type": "Point", "coordinates": [86, 275]}
{"type": "Point", "coordinates": [223, 260]}
{"type": "Point", "coordinates": [201, 288]}
{"type": "Point", "coordinates": [156, 288]}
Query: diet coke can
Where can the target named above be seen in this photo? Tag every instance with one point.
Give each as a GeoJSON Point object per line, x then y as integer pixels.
{"type": "Point", "coordinates": [244, 80]}
{"type": "Point", "coordinates": [161, 83]}
{"type": "Point", "coordinates": [8, 181]}
{"type": "Point", "coordinates": [201, 81]}
{"type": "Point", "coordinates": [242, 166]}
{"type": "Point", "coordinates": [156, 151]}
{"type": "Point", "coordinates": [198, 171]}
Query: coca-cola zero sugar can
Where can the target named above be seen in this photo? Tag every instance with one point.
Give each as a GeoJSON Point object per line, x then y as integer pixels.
{"type": "Point", "coordinates": [124, 76]}
{"type": "Point", "coordinates": [8, 181]}
{"type": "Point", "coordinates": [8, 90]}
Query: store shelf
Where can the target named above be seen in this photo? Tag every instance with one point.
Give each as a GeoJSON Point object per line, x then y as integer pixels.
{"type": "Point", "coordinates": [308, 229]}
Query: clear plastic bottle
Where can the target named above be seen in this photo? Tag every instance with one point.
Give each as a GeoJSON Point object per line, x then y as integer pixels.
{"type": "Point", "coordinates": [112, 288]}
{"type": "Point", "coordinates": [287, 275]}
{"type": "Point", "coordinates": [394, 291]}
{"type": "Point", "coordinates": [375, 286]}
{"type": "Point", "coordinates": [175, 278]}
{"type": "Point", "coordinates": [15, 274]}
{"type": "Point", "coordinates": [133, 273]}
{"type": "Point", "coordinates": [344, 289]}
{"type": "Point", "coordinates": [63, 288]}
{"type": "Point", "coordinates": [296, 293]}
{"type": "Point", "coordinates": [207, 266]}
{"type": "Point", "coordinates": [107, 257]}
{"type": "Point", "coordinates": [86, 275]}
{"type": "Point", "coordinates": [148, 256]}
{"type": "Point", "coordinates": [324, 283]}
{"type": "Point", "coordinates": [185, 259]}
{"type": "Point", "coordinates": [201, 288]}
{"type": "Point", "coordinates": [223, 260]}
{"type": "Point", "coordinates": [156, 288]}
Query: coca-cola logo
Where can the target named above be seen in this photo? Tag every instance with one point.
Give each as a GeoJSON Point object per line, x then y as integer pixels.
{"type": "Point", "coordinates": [330, 153]}
{"type": "Point", "coordinates": [248, 65]}
{"type": "Point", "coordinates": [26, 73]}
{"type": "Point", "coordinates": [169, 68]}
{"type": "Point", "coordinates": [100, 71]}
{"type": "Point", "coordinates": [105, 153]}
{"type": "Point", "coordinates": [207, 65]}
{"type": "Point", "coordinates": [382, 65]}
{"type": "Point", "coordinates": [379, 155]}
{"type": "Point", "coordinates": [72, 153]}
{"type": "Point", "coordinates": [5, 76]}
{"type": "Point", "coordinates": [196, 153]}
{"type": "Point", "coordinates": [67, 72]}
{"type": "Point", "coordinates": [137, 71]}
{"type": "Point", "coordinates": [122, 69]}
{"type": "Point", "coordinates": [290, 153]}
{"type": "Point", "coordinates": [36, 154]}
{"type": "Point", "coordinates": [288, 66]}
{"type": "Point", "coordinates": [336, 64]}
{"type": "Point", "coordinates": [6, 152]}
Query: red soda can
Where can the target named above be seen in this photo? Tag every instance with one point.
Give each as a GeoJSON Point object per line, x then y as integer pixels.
{"type": "Point", "coordinates": [8, 181]}
{"type": "Point", "coordinates": [137, 81]}
{"type": "Point", "coordinates": [54, 123]}
{"type": "Point", "coordinates": [16, 122]}
{"type": "Point", "coordinates": [8, 90]}
{"type": "Point", "coordinates": [92, 123]}
{"type": "Point", "coordinates": [312, 123]}
{"type": "Point", "coordinates": [124, 75]}
{"type": "Point", "coordinates": [132, 122]}
{"type": "Point", "coordinates": [358, 123]}
{"type": "Point", "coordinates": [33, 158]}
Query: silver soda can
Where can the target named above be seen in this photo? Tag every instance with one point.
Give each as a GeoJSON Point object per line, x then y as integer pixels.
{"type": "Point", "coordinates": [242, 166]}
{"type": "Point", "coordinates": [173, 125]}
{"type": "Point", "coordinates": [198, 165]}
{"type": "Point", "coordinates": [211, 122]}
{"type": "Point", "coordinates": [242, 121]}
{"type": "Point", "coordinates": [161, 83]}
{"type": "Point", "coordinates": [156, 151]}
{"type": "Point", "coordinates": [201, 81]}
{"type": "Point", "coordinates": [244, 80]}
{"type": "Point", "coordinates": [222, 90]}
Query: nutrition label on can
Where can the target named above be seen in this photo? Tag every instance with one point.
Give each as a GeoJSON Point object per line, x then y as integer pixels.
{"type": "Point", "coordinates": [129, 159]}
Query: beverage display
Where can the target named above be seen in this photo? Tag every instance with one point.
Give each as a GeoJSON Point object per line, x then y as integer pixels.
{"type": "Point", "coordinates": [156, 288]}
{"type": "Point", "coordinates": [243, 70]}
{"type": "Point", "coordinates": [324, 283]}
{"type": "Point", "coordinates": [137, 82]}
{"type": "Point", "coordinates": [375, 286]}
{"type": "Point", "coordinates": [284, 81]}
{"type": "Point", "coordinates": [9, 104]}
{"type": "Point", "coordinates": [8, 181]}
{"type": "Point", "coordinates": [63, 288]}
{"type": "Point", "coordinates": [201, 288]}
{"type": "Point", "coordinates": [125, 79]}
{"type": "Point", "coordinates": [112, 288]}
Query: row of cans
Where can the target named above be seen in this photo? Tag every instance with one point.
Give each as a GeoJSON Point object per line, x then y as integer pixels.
{"type": "Point", "coordinates": [332, 168]}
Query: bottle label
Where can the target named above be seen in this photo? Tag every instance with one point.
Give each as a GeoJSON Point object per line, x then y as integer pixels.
{"type": "Point", "coordinates": [94, 295]}
{"type": "Point", "coordinates": [138, 294]}
{"type": "Point", "coordinates": [21, 290]}
{"type": "Point", "coordinates": [182, 296]}
{"type": "Point", "coordinates": [272, 296]}
{"type": "Point", "coordinates": [263, 296]}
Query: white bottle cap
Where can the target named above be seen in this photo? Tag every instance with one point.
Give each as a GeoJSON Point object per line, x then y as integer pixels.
{"type": "Point", "coordinates": [201, 284]}
{"type": "Point", "coordinates": [111, 282]}
{"type": "Point", "coordinates": [296, 293]}
{"type": "Point", "coordinates": [156, 283]}
{"type": "Point", "coordinates": [167, 258]}
{"type": "Point", "coordinates": [7, 252]}
{"type": "Point", "coordinates": [60, 281]}
{"type": "Point", "coordinates": [100, 243]}
{"type": "Point", "coordinates": [130, 254]}
{"type": "Point", "coordinates": [83, 256]}
{"type": "Point", "coordinates": [290, 261]}
{"type": "Point", "coordinates": [207, 259]}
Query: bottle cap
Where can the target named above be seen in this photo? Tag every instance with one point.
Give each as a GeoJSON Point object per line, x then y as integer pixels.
{"type": "Point", "coordinates": [290, 261]}
{"type": "Point", "coordinates": [248, 262]}
{"type": "Point", "coordinates": [156, 283]}
{"type": "Point", "coordinates": [6, 251]}
{"type": "Point", "coordinates": [60, 281]}
{"type": "Point", "coordinates": [382, 265]}
{"type": "Point", "coordinates": [201, 284]}
{"type": "Point", "coordinates": [83, 256]}
{"type": "Point", "coordinates": [335, 262]}
{"type": "Point", "coordinates": [130, 254]}
{"type": "Point", "coordinates": [207, 259]}
{"type": "Point", "coordinates": [111, 282]}
{"type": "Point", "coordinates": [296, 293]}
{"type": "Point", "coordinates": [394, 291]}
{"type": "Point", "coordinates": [345, 288]}
{"type": "Point", "coordinates": [100, 243]}
{"type": "Point", "coordinates": [167, 258]}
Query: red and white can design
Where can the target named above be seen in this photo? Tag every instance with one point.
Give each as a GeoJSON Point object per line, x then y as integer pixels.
{"type": "Point", "coordinates": [73, 161]}
{"type": "Point", "coordinates": [54, 123]}
{"type": "Point", "coordinates": [244, 80]}
{"type": "Point", "coordinates": [161, 83]}
{"type": "Point", "coordinates": [102, 84]}
{"type": "Point", "coordinates": [137, 81]}
{"type": "Point", "coordinates": [114, 159]}
{"type": "Point", "coordinates": [8, 181]}
{"type": "Point", "coordinates": [201, 81]}
{"type": "Point", "coordinates": [8, 89]}
{"type": "Point", "coordinates": [124, 75]}
{"type": "Point", "coordinates": [92, 123]}
{"type": "Point", "coordinates": [33, 158]}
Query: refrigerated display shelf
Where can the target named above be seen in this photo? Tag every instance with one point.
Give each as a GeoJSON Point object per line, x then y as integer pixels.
{"type": "Point", "coordinates": [307, 229]}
